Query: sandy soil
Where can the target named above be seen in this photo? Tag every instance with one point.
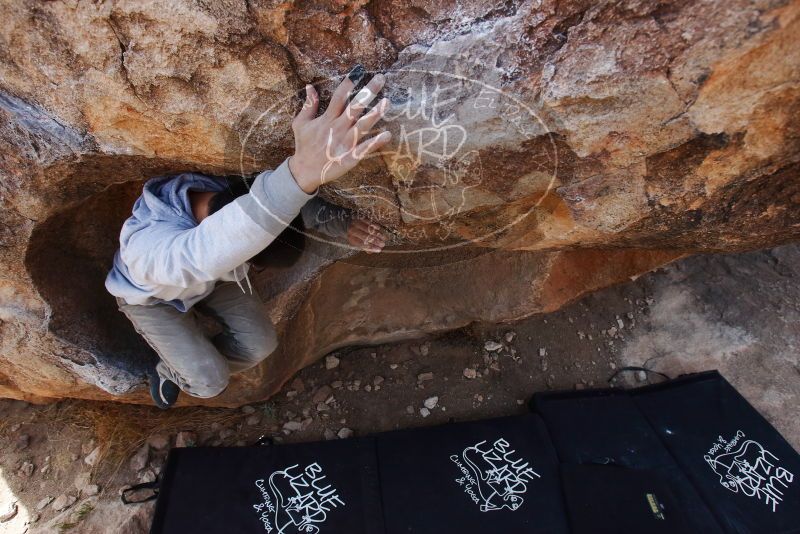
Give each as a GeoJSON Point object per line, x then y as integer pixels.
{"type": "Point", "coordinates": [737, 313]}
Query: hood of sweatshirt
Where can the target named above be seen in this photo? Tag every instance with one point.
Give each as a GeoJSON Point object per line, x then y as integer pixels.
{"type": "Point", "coordinates": [167, 197]}
{"type": "Point", "coordinates": [166, 256]}
{"type": "Point", "coordinates": [164, 199]}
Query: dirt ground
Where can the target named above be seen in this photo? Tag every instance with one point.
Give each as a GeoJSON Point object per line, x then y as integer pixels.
{"type": "Point", "coordinates": [63, 465]}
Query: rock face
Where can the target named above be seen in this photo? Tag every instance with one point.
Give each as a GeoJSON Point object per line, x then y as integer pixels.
{"type": "Point", "coordinates": [541, 149]}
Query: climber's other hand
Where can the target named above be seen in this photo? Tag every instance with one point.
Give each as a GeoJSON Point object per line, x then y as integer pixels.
{"type": "Point", "coordinates": [328, 146]}
{"type": "Point", "coordinates": [367, 236]}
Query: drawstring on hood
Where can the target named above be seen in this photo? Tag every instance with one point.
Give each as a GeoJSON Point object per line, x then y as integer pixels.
{"type": "Point", "coordinates": [249, 285]}
{"type": "Point", "coordinates": [238, 282]}
{"type": "Point", "coordinates": [238, 279]}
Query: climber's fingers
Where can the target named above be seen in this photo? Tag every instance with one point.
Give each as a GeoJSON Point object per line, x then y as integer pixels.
{"type": "Point", "coordinates": [339, 99]}
{"type": "Point", "coordinates": [369, 229]}
{"type": "Point", "coordinates": [356, 234]}
{"type": "Point", "coordinates": [363, 98]}
{"type": "Point", "coordinates": [366, 236]}
{"type": "Point", "coordinates": [365, 123]}
{"type": "Point", "coordinates": [367, 147]}
{"type": "Point", "coordinates": [309, 109]}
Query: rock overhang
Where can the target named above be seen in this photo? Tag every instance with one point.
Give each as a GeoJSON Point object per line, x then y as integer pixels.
{"type": "Point", "coordinates": [672, 127]}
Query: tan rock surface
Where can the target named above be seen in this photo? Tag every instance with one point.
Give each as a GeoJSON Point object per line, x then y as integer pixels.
{"type": "Point", "coordinates": [542, 150]}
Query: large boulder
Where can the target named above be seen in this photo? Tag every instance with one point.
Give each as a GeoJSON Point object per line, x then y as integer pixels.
{"type": "Point", "coordinates": [541, 150]}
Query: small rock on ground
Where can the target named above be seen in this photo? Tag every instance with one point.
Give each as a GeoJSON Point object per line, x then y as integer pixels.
{"type": "Point", "coordinates": [158, 441]}
{"type": "Point", "coordinates": [139, 460]}
{"type": "Point", "coordinates": [185, 439]}
{"type": "Point", "coordinates": [63, 502]}
{"type": "Point", "coordinates": [26, 469]}
{"type": "Point", "coordinates": [82, 480]}
{"type": "Point", "coordinates": [492, 346]}
{"type": "Point", "coordinates": [292, 426]}
{"type": "Point", "coordinates": [8, 512]}
{"type": "Point", "coordinates": [92, 457]}
{"type": "Point", "coordinates": [42, 504]}
{"type": "Point", "coordinates": [322, 394]}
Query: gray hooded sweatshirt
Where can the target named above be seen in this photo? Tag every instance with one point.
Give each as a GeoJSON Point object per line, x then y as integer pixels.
{"type": "Point", "coordinates": [165, 256]}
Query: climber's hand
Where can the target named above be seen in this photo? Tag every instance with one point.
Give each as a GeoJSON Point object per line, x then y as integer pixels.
{"type": "Point", "coordinates": [328, 146]}
{"type": "Point", "coordinates": [365, 235]}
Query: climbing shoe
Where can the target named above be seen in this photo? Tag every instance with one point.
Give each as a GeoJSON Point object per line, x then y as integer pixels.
{"type": "Point", "coordinates": [164, 392]}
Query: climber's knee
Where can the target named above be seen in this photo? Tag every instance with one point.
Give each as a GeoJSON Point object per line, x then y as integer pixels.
{"type": "Point", "coordinates": [257, 344]}
{"type": "Point", "coordinates": [209, 381]}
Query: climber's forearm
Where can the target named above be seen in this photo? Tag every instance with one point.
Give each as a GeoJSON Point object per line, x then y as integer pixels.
{"type": "Point", "coordinates": [326, 218]}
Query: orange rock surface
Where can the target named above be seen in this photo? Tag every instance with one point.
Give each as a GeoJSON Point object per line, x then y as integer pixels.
{"type": "Point", "coordinates": [542, 149]}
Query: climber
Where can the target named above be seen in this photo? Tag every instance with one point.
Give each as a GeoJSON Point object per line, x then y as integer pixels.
{"type": "Point", "coordinates": [191, 238]}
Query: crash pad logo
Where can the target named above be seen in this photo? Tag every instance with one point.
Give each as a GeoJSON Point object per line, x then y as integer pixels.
{"type": "Point", "coordinates": [745, 466]}
{"type": "Point", "coordinates": [493, 476]}
{"type": "Point", "coordinates": [296, 500]}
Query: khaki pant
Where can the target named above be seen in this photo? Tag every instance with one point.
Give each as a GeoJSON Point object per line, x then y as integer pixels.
{"type": "Point", "coordinates": [200, 366]}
